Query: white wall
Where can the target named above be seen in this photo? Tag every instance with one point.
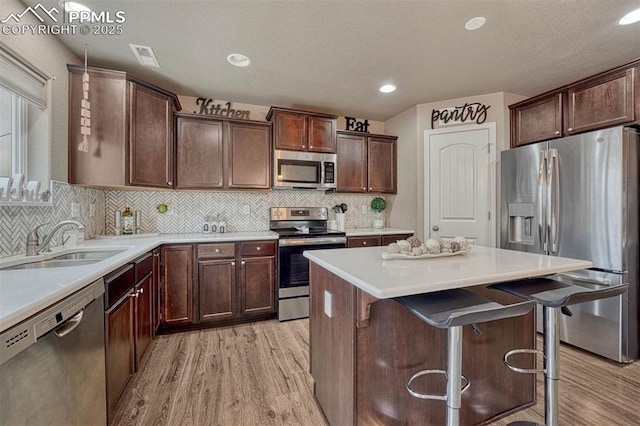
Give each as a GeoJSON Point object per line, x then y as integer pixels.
{"type": "Point", "coordinates": [50, 56]}
{"type": "Point", "coordinates": [410, 126]}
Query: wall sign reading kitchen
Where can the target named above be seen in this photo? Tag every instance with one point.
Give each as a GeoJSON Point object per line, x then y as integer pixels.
{"type": "Point", "coordinates": [461, 114]}
{"type": "Point", "coordinates": [208, 107]}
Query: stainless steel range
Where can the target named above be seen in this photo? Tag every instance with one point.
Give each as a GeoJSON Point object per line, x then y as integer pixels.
{"type": "Point", "coordinates": [300, 229]}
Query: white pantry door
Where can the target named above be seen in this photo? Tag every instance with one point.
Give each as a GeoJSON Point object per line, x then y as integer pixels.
{"type": "Point", "coordinates": [459, 189]}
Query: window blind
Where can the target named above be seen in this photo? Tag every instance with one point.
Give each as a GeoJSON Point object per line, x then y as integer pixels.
{"type": "Point", "coordinates": [21, 78]}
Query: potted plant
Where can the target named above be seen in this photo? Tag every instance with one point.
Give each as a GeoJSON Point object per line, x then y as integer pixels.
{"type": "Point", "coordinates": [378, 205]}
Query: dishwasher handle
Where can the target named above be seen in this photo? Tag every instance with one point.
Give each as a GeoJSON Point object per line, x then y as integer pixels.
{"type": "Point", "coordinates": [69, 325]}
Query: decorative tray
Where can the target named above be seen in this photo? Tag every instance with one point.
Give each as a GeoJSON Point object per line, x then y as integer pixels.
{"type": "Point", "coordinates": [389, 256]}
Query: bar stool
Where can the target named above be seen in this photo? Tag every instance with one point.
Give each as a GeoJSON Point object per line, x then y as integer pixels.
{"type": "Point", "coordinates": [554, 297]}
{"type": "Point", "coordinates": [453, 309]}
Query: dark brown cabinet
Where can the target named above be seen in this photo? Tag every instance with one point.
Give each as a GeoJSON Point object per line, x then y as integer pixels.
{"type": "Point", "coordinates": [128, 323]}
{"type": "Point", "coordinates": [607, 99]}
{"type": "Point", "coordinates": [156, 293]}
{"type": "Point", "coordinates": [366, 163]}
{"type": "Point", "coordinates": [375, 240]}
{"type": "Point", "coordinates": [222, 154]}
{"type": "Point", "coordinates": [177, 285]}
{"type": "Point", "coordinates": [217, 295]}
{"type": "Point", "coordinates": [257, 278]}
{"type": "Point", "coordinates": [131, 141]}
{"type": "Point", "coordinates": [303, 131]}
{"type": "Point", "coordinates": [537, 121]}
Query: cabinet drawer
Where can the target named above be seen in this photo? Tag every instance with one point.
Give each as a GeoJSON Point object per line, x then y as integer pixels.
{"type": "Point", "coordinates": [117, 284]}
{"type": "Point", "coordinates": [143, 266]}
{"type": "Point", "coordinates": [262, 248]}
{"type": "Point", "coordinates": [373, 241]}
{"type": "Point", "coordinates": [216, 250]}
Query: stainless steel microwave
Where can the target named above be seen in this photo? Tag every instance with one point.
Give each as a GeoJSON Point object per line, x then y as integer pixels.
{"type": "Point", "coordinates": [296, 169]}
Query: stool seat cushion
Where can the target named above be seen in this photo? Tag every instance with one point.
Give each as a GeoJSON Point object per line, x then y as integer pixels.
{"type": "Point", "coordinates": [449, 308]}
{"type": "Point", "coordinates": [555, 294]}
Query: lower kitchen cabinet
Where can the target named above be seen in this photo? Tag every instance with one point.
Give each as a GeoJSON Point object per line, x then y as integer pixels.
{"type": "Point", "coordinates": [375, 240]}
{"type": "Point", "coordinates": [177, 285]}
{"type": "Point", "coordinates": [234, 282]}
{"type": "Point", "coordinates": [128, 323]}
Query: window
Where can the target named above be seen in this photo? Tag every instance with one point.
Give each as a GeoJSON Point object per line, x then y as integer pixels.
{"type": "Point", "coordinates": [24, 121]}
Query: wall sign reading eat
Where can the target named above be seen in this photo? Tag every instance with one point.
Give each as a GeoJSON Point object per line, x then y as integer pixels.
{"type": "Point", "coordinates": [468, 112]}
{"type": "Point", "coordinates": [207, 107]}
{"type": "Point", "coordinates": [358, 126]}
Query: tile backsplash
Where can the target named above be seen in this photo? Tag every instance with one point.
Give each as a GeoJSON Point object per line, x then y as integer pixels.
{"type": "Point", "coordinates": [242, 211]}
{"type": "Point", "coordinates": [17, 222]}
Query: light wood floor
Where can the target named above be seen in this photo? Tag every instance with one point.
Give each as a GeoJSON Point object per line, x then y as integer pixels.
{"type": "Point", "coordinates": [257, 374]}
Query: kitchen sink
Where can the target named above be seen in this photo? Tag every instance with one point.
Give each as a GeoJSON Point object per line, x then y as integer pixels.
{"type": "Point", "coordinates": [76, 258]}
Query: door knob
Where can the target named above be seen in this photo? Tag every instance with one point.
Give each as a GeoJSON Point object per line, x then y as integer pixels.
{"type": "Point", "coordinates": [436, 228]}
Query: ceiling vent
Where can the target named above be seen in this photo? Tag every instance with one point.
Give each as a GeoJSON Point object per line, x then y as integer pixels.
{"type": "Point", "coordinates": [145, 55]}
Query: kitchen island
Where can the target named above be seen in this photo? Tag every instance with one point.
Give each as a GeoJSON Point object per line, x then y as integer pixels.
{"type": "Point", "coordinates": [364, 345]}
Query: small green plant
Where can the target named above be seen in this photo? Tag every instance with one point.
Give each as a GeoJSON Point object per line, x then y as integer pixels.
{"type": "Point", "coordinates": [378, 204]}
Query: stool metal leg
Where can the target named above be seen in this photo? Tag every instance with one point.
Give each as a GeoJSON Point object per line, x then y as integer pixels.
{"type": "Point", "coordinates": [454, 373]}
{"type": "Point", "coordinates": [552, 365]}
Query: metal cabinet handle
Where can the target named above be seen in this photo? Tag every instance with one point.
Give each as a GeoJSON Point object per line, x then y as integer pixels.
{"type": "Point", "coordinates": [140, 291]}
{"type": "Point", "coordinates": [364, 243]}
{"type": "Point", "coordinates": [258, 248]}
{"type": "Point", "coordinates": [242, 262]}
{"type": "Point", "coordinates": [134, 294]}
{"type": "Point", "coordinates": [557, 132]}
{"type": "Point", "coordinates": [570, 129]}
{"type": "Point", "coordinates": [364, 189]}
{"type": "Point", "coordinates": [233, 263]}
{"type": "Point", "coordinates": [217, 250]}
{"type": "Point", "coordinates": [169, 183]}
{"type": "Point", "coordinates": [370, 189]}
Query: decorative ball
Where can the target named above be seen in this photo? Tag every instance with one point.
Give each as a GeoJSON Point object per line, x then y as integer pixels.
{"type": "Point", "coordinates": [424, 249]}
{"type": "Point", "coordinates": [462, 241]}
{"type": "Point", "coordinates": [455, 246]}
{"type": "Point", "coordinates": [416, 251]}
{"type": "Point", "coordinates": [405, 246]}
{"type": "Point", "coordinates": [433, 246]}
{"type": "Point", "coordinates": [414, 241]}
{"type": "Point", "coordinates": [393, 248]}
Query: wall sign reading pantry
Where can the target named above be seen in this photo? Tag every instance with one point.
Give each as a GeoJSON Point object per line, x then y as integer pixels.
{"type": "Point", "coordinates": [208, 108]}
{"type": "Point", "coordinates": [468, 112]}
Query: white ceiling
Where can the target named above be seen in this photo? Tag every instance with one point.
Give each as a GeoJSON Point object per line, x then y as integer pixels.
{"type": "Point", "coordinates": [332, 56]}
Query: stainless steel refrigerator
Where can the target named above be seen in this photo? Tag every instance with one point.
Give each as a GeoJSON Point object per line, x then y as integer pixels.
{"type": "Point", "coordinates": [578, 197]}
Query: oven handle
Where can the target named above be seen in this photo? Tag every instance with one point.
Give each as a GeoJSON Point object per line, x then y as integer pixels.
{"type": "Point", "coordinates": [312, 241]}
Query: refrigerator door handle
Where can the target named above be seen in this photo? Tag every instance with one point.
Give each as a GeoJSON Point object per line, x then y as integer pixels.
{"type": "Point", "coordinates": [554, 198]}
{"type": "Point", "coordinates": [542, 222]}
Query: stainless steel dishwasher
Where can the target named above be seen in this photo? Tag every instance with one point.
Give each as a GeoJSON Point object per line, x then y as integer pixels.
{"type": "Point", "coordinates": [52, 368]}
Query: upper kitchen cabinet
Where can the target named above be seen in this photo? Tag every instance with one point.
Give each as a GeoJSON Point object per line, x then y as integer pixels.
{"type": "Point", "coordinates": [131, 141]}
{"type": "Point", "coordinates": [303, 131]}
{"type": "Point", "coordinates": [222, 154]}
{"type": "Point", "coordinates": [366, 163]}
{"type": "Point", "coordinates": [604, 100]}
{"type": "Point", "coordinates": [537, 120]}
{"type": "Point", "coordinates": [600, 102]}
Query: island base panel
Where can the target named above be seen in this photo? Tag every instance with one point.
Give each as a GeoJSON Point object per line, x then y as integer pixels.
{"type": "Point", "coordinates": [364, 382]}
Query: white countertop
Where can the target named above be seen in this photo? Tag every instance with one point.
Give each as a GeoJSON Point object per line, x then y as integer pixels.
{"type": "Point", "coordinates": [364, 232]}
{"type": "Point", "coordinates": [384, 279]}
{"type": "Point", "coordinates": [26, 292]}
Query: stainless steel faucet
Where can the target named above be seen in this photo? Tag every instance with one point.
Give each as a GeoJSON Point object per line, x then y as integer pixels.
{"type": "Point", "coordinates": [34, 246]}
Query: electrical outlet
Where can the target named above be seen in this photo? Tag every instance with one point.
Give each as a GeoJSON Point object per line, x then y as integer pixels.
{"type": "Point", "coordinates": [364, 209]}
{"type": "Point", "coordinates": [92, 210]}
{"type": "Point", "coordinates": [328, 308]}
{"type": "Point", "coordinates": [246, 209]}
{"type": "Point", "coordinates": [75, 209]}
{"type": "Point", "coordinates": [171, 210]}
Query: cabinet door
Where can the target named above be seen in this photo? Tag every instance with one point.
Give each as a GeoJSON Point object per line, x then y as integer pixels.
{"type": "Point", "coordinates": [601, 102]}
{"type": "Point", "coordinates": [290, 131]}
{"type": "Point", "coordinates": [370, 241]}
{"type": "Point", "coordinates": [258, 285]}
{"type": "Point", "coordinates": [385, 240]}
{"type": "Point", "coordinates": [352, 163]}
{"type": "Point", "coordinates": [119, 351]}
{"type": "Point", "coordinates": [217, 294]}
{"type": "Point", "coordinates": [381, 165]}
{"type": "Point", "coordinates": [199, 152]}
{"type": "Point", "coordinates": [150, 138]}
{"type": "Point", "coordinates": [249, 156]}
{"type": "Point", "coordinates": [537, 121]}
{"type": "Point", "coordinates": [322, 134]}
{"type": "Point", "coordinates": [143, 317]}
{"type": "Point", "coordinates": [177, 285]}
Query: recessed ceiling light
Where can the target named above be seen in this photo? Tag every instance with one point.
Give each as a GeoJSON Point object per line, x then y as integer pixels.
{"type": "Point", "coordinates": [238, 60]}
{"type": "Point", "coordinates": [475, 23]}
{"type": "Point", "coordinates": [387, 88]}
{"type": "Point", "coordinates": [630, 18]}
{"type": "Point", "coordinates": [73, 6]}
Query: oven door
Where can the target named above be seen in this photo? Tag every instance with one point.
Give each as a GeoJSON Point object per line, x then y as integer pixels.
{"type": "Point", "coordinates": [293, 278]}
